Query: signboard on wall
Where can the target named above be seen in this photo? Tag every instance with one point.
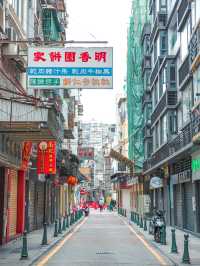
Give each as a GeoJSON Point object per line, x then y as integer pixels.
{"type": "Point", "coordinates": [86, 153]}
{"type": "Point", "coordinates": [70, 67]}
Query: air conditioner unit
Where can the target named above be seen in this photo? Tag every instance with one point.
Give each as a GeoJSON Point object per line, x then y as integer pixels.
{"type": "Point", "coordinates": [10, 49]}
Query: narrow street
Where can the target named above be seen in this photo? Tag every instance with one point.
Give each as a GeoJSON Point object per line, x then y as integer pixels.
{"type": "Point", "coordinates": [104, 239]}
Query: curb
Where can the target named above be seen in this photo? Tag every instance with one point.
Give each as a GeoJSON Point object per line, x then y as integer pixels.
{"type": "Point", "coordinates": [150, 242]}
{"type": "Point", "coordinates": [50, 246]}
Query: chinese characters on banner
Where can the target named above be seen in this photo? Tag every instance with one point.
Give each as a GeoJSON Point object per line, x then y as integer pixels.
{"type": "Point", "coordinates": [26, 153]}
{"type": "Point", "coordinates": [46, 157]}
{"type": "Point", "coordinates": [73, 67]}
{"type": "Point", "coordinates": [86, 153]}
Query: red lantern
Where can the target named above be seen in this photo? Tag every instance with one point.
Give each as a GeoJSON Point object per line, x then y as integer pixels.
{"type": "Point", "coordinates": [71, 180]}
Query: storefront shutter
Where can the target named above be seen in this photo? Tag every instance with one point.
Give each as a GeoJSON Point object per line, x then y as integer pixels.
{"type": "Point", "coordinates": [13, 203]}
{"type": "Point", "coordinates": [188, 210]}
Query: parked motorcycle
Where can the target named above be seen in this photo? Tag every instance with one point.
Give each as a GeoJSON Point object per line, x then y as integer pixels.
{"type": "Point", "coordinates": [157, 222]}
{"type": "Point", "coordinates": [86, 210]}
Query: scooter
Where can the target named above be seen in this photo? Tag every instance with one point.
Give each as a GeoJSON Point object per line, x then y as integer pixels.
{"type": "Point", "coordinates": [158, 221]}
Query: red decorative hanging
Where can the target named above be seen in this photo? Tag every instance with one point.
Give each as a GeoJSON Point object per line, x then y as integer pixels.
{"type": "Point", "coordinates": [71, 180]}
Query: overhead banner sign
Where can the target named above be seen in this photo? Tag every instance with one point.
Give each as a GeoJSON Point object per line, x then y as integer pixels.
{"type": "Point", "coordinates": [70, 68]}
{"type": "Point", "coordinates": [46, 157]}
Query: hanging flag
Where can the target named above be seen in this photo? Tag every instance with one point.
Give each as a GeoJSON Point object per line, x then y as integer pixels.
{"type": "Point", "coordinates": [46, 157]}
{"type": "Point", "coordinates": [26, 153]}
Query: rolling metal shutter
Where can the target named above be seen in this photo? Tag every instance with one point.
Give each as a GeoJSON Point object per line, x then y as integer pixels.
{"type": "Point", "coordinates": [177, 205]}
{"type": "Point", "coordinates": [32, 199]}
{"type": "Point", "coordinates": [188, 210]}
{"type": "Point", "coordinates": [39, 204]}
{"type": "Point", "coordinates": [12, 203]}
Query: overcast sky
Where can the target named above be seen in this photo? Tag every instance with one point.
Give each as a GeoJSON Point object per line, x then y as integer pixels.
{"type": "Point", "coordinates": [101, 20]}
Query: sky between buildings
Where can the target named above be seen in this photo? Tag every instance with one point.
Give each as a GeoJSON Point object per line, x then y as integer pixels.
{"type": "Point", "coordinates": [101, 20]}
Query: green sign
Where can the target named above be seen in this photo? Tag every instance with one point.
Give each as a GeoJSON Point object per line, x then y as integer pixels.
{"type": "Point", "coordinates": [44, 81]}
{"type": "Point", "coordinates": [195, 165]}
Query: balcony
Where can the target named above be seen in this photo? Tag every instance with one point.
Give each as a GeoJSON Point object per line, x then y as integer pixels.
{"type": "Point", "coordinates": [145, 31]}
{"type": "Point", "coordinates": [26, 121]}
{"type": "Point", "coordinates": [183, 12]}
{"type": "Point", "coordinates": [147, 130]}
{"type": "Point", "coordinates": [168, 100]}
{"type": "Point", "coordinates": [194, 48]}
{"type": "Point", "coordinates": [196, 124]}
{"type": "Point", "coordinates": [146, 63]}
{"type": "Point", "coordinates": [146, 98]}
{"type": "Point", "coordinates": [10, 151]}
{"type": "Point", "coordinates": [184, 71]}
{"type": "Point", "coordinates": [155, 70]}
{"type": "Point", "coordinates": [159, 24]}
{"type": "Point", "coordinates": [170, 150]}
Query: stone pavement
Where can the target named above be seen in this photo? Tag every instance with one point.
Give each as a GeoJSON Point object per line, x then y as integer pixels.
{"type": "Point", "coordinates": [194, 244]}
{"type": "Point", "coordinates": [10, 253]}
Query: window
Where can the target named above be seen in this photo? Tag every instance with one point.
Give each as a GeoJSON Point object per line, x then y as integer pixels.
{"type": "Point", "coordinates": [163, 43]}
{"type": "Point", "coordinates": [173, 123]}
{"type": "Point", "coordinates": [196, 85]}
{"type": "Point", "coordinates": [186, 104]}
{"type": "Point", "coordinates": [172, 76]}
{"type": "Point", "coordinates": [163, 81]}
{"type": "Point", "coordinates": [195, 7]}
{"type": "Point", "coordinates": [157, 135]}
{"type": "Point", "coordinates": [185, 38]}
{"type": "Point", "coordinates": [163, 129]}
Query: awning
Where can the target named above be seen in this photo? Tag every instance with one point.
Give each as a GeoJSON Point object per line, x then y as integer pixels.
{"type": "Point", "coordinates": [119, 157]}
{"type": "Point", "coordinates": [26, 121]}
{"type": "Point", "coordinates": [156, 182]}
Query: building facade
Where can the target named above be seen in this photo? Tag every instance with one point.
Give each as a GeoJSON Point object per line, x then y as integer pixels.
{"type": "Point", "coordinates": [171, 84]}
{"type": "Point", "coordinates": [27, 199]}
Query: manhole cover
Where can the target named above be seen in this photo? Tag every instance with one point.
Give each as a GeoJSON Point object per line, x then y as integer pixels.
{"type": "Point", "coordinates": [105, 253]}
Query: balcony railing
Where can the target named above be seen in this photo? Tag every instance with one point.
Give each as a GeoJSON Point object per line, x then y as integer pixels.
{"type": "Point", "coordinates": [145, 31]}
{"type": "Point", "coordinates": [146, 62]}
{"type": "Point", "coordinates": [184, 71]}
{"type": "Point", "coordinates": [169, 149]}
{"type": "Point", "coordinates": [155, 69]}
{"type": "Point", "coordinates": [146, 97]}
{"type": "Point", "coordinates": [159, 108]}
{"type": "Point", "coordinates": [194, 46]}
{"type": "Point", "coordinates": [169, 99]}
{"type": "Point", "coordinates": [183, 12]}
{"type": "Point", "coordinates": [10, 151]}
{"type": "Point", "coordinates": [159, 23]}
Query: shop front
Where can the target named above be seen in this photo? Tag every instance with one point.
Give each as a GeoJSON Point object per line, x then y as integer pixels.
{"type": "Point", "coordinates": [182, 200]}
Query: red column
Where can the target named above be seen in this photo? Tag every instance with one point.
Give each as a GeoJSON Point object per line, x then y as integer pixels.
{"type": "Point", "coordinates": [20, 202]}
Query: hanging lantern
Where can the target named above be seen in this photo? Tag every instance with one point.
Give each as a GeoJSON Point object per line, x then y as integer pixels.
{"type": "Point", "coordinates": [71, 180]}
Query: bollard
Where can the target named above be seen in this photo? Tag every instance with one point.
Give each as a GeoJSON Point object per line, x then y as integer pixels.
{"type": "Point", "coordinates": [64, 225]}
{"type": "Point", "coordinates": [67, 221]}
{"type": "Point", "coordinates": [135, 218]}
{"type": "Point", "coordinates": [141, 222]}
{"type": "Point", "coordinates": [145, 224]}
{"type": "Point", "coordinates": [44, 238]}
{"type": "Point", "coordinates": [186, 257]}
{"type": "Point", "coordinates": [174, 246]}
{"type": "Point", "coordinates": [24, 252]}
{"type": "Point", "coordinates": [150, 227]}
{"type": "Point", "coordinates": [56, 229]}
{"type": "Point", "coordinates": [163, 234]}
{"type": "Point", "coordinates": [60, 226]}
{"type": "Point", "coordinates": [138, 219]}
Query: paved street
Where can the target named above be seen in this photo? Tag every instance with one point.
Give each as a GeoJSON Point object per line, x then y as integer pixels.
{"type": "Point", "coordinates": [104, 239]}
